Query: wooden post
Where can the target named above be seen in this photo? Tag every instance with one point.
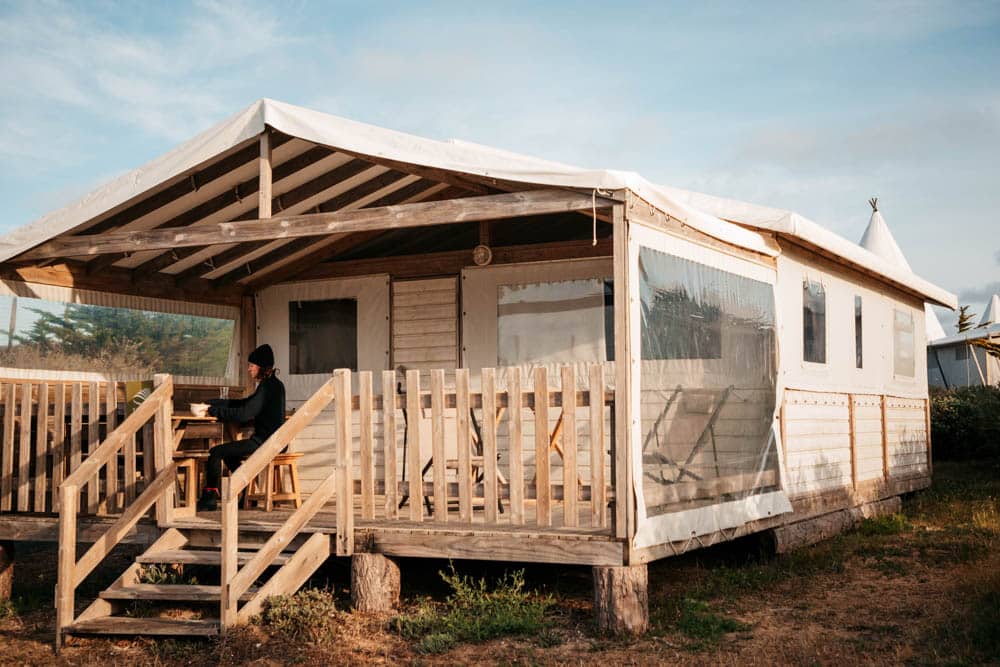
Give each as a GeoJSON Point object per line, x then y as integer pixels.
{"type": "Point", "coordinates": [570, 476]}
{"type": "Point", "coordinates": [621, 599]}
{"type": "Point", "coordinates": [389, 442]}
{"type": "Point", "coordinates": [264, 192]}
{"type": "Point", "coordinates": [24, 452]}
{"type": "Point", "coordinates": [375, 583]}
{"type": "Point", "coordinates": [59, 445]}
{"type": "Point", "coordinates": [598, 494]}
{"type": "Point", "coordinates": [624, 508]}
{"type": "Point", "coordinates": [543, 486]}
{"type": "Point", "coordinates": [885, 441]}
{"type": "Point", "coordinates": [489, 429]}
{"type": "Point", "coordinates": [41, 446]}
{"type": "Point", "coordinates": [516, 431]}
{"type": "Point", "coordinates": [93, 442]}
{"type": "Point", "coordinates": [413, 415]}
{"type": "Point", "coordinates": [439, 469]}
{"type": "Point", "coordinates": [854, 443]}
{"type": "Point", "coordinates": [464, 443]}
{"type": "Point", "coordinates": [66, 575]}
{"type": "Point", "coordinates": [345, 466]}
{"type": "Point", "coordinates": [111, 417]}
{"type": "Point", "coordinates": [6, 569]}
{"type": "Point", "coordinates": [163, 449]}
{"type": "Point", "coordinates": [367, 443]}
{"type": "Point", "coordinates": [228, 547]}
{"type": "Point", "coordinates": [7, 477]}
{"type": "Point", "coordinates": [927, 426]}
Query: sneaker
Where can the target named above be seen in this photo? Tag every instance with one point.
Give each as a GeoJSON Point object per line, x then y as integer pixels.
{"type": "Point", "coordinates": [209, 501]}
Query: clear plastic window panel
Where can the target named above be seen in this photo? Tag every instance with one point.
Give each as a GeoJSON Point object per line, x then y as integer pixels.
{"type": "Point", "coordinates": [322, 336]}
{"type": "Point", "coordinates": [813, 322]}
{"type": "Point", "coordinates": [53, 335]}
{"type": "Point", "coordinates": [555, 322]}
{"type": "Point", "coordinates": [903, 361]}
{"type": "Point", "coordinates": [858, 338]}
{"type": "Point", "coordinates": [707, 383]}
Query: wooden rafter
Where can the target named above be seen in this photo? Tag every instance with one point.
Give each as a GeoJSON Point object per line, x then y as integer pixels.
{"type": "Point", "coordinates": [470, 209]}
{"type": "Point", "coordinates": [245, 190]}
{"type": "Point", "coordinates": [341, 201]}
{"type": "Point", "coordinates": [297, 250]}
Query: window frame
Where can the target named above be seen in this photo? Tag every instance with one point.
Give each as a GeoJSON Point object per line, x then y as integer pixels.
{"type": "Point", "coordinates": [806, 284]}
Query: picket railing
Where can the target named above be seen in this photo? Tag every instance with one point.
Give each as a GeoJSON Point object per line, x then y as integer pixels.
{"type": "Point", "coordinates": [155, 411]}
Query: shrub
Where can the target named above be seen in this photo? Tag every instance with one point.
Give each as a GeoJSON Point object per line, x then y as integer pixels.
{"type": "Point", "coordinates": [308, 615]}
{"type": "Point", "coordinates": [474, 612]}
{"type": "Point", "coordinates": [965, 423]}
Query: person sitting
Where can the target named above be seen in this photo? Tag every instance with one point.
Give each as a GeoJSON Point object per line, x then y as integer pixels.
{"type": "Point", "coordinates": [265, 407]}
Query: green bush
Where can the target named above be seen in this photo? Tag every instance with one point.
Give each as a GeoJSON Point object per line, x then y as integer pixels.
{"type": "Point", "coordinates": [474, 612]}
{"type": "Point", "coordinates": [308, 615]}
{"type": "Point", "coordinates": [965, 423]}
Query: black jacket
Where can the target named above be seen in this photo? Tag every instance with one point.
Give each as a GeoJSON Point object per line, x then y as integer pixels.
{"type": "Point", "coordinates": [265, 406]}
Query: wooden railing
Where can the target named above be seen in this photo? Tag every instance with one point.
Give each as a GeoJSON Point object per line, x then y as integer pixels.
{"type": "Point", "coordinates": [235, 581]}
{"type": "Point", "coordinates": [71, 572]}
{"type": "Point", "coordinates": [489, 477]}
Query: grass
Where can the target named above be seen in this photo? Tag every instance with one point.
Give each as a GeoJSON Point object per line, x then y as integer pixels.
{"type": "Point", "coordinates": [474, 612]}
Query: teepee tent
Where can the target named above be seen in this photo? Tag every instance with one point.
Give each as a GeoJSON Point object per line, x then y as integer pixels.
{"type": "Point", "coordinates": [992, 314]}
{"type": "Point", "coordinates": [879, 240]}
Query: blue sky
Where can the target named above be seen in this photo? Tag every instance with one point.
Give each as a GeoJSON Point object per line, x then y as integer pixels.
{"type": "Point", "coordinates": [806, 106]}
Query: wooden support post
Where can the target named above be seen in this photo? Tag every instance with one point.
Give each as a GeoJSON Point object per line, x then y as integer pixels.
{"type": "Point", "coordinates": [345, 466]}
{"type": "Point", "coordinates": [41, 446]}
{"type": "Point", "coordinates": [375, 583]}
{"type": "Point", "coordinates": [389, 442]}
{"type": "Point", "coordinates": [367, 444]}
{"type": "Point", "coordinates": [24, 452]}
{"type": "Point", "coordinates": [543, 487]}
{"type": "Point", "coordinates": [464, 443]}
{"type": "Point", "coordinates": [7, 477]}
{"type": "Point", "coordinates": [885, 441]}
{"type": "Point", "coordinates": [413, 416]}
{"type": "Point", "coordinates": [66, 577]}
{"type": "Point", "coordinates": [598, 492]}
{"type": "Point", "coordinates": [93, 442]}
{"type": "Point", "coordinates": [229, 545]}
{"type": "Point", "coordinates": [854, 443]}
{"type": "Point", "coordinates": [59, 449]}
{"type": "Point", "coordinates": [621, 599]}
{"type": "Point", "coordinates": [516, 432]}
{"type": "Point", "coordinates": [264, 192]}
{"type": "Point", "coordinates": [111, 418]}
{"type": "Point", "coordinates": [624, 515]}
{"type": "Point", "coordinates": [439, 469]}
{"type": "Point", "coordinates": [163, 449]}
{"type": "Point", "coordinates": [6, 569]}
{"type": "Point", "coordinates": [489, 430]}
{"type": "Point", "coordinates": [571, 517]}
{"type": "Point", "coordinates": [927, 426]}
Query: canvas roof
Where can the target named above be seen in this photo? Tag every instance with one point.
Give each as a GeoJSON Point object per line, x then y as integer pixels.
{"type": "Point", "coordinates": [324, 161]}
{"type": "Point", "coordinates": [992, 314]}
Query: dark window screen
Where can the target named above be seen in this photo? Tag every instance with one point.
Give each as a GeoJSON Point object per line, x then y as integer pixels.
{"type": "Point", "coordinates": [858, 356]}
{"type": "Point", "coordinates": [322, 335]}
{"type": "Point", "coordinates": [813, 322]}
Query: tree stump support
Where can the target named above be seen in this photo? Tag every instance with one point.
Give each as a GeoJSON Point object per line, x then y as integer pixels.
{"type": "Point", "coordinates": [621, 599]}
{"type": "Point", "coordinates": [6, 569]}
{"type": "Point", "coordinates": [375, 582]}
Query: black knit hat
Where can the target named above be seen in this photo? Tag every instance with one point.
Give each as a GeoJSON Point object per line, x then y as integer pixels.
{"type": "Point", "coordinates": [263, 356]}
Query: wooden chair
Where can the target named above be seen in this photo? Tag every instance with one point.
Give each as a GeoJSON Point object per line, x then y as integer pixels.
{"type": "Point", "coordinates": [269, 487]}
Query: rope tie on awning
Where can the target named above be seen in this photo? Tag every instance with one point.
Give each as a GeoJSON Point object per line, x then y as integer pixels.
{"type": "Point", "coordinates": [593, 209]}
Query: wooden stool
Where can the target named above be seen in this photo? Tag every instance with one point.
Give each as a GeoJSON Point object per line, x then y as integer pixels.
{"type": "Point", "coordinates": [274, 490]}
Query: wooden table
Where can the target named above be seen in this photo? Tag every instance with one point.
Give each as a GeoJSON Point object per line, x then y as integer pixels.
{"type": "Point", "coordinates": [201, 433]}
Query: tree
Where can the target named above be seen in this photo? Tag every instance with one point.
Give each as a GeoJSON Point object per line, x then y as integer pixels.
{"type": "Point", "coordinates": [965, 318]}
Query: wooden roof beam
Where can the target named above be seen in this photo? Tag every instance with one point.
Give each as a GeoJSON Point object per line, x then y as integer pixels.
{"type": "Point", "coordinates": [469, 209]}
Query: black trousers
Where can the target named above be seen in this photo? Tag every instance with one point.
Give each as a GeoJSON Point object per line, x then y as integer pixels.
{"type": "Point", "coordinates": [233, 453]}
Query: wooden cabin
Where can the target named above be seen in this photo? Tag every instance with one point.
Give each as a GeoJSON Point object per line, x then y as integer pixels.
{"type": "Point", "coordinates": [489, 357]}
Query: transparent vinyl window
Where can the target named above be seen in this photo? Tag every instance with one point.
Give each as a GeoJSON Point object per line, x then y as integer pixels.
{"type": "Point", "coordinates": [707, 384]}
{"type": "Point", "coordinates": [563, 321]}
{"type": "Point", "coordinates": [54, 335]}
{"type": "Point", "coordinates": [858, 338]}
{"type": "Point", "coordinates": [903, 360]}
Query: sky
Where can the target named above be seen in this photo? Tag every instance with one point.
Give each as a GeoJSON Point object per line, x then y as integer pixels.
{"type": "Point", "coordinates": [812, 107]}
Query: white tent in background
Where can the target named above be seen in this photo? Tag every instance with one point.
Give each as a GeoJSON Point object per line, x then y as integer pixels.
{"type": "Point", "coordinates": [992, 314]}
{"type": "Point", "coordinates": [879, 240]}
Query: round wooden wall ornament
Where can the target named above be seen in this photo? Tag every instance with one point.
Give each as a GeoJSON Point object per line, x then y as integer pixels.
{"type": "Point", "coordinates": [482, 255]}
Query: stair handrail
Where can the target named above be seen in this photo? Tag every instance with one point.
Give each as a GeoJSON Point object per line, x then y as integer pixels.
{"type": "Point", "coordinates": [236, 581]}
{"type": "Point", "coordinates": [70, 571]}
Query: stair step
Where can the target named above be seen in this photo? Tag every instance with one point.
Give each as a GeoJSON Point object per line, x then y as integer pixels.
{"type": "Point", "coordinates": [191, 557]}
{"type": "Point", "coordinates": [179, 592]}
{"type": "Point", "coordinates": [126, 625]}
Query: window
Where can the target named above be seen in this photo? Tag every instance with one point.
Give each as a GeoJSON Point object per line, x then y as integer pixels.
{"type": "Point", "coordinates": [858, 356]}
{"type": "Point", "coordinates": [962, 352]}
{"type": "Point", "coordinates": [322, 336]}
{"type": "Point", "coordinates": [903, 359]}
{"type": "Point", "coordinates": [55, 335]}
{"type": "Point", "coordinates": [565, 321]}
{"type": "Point", "coordinates": [813, 322]}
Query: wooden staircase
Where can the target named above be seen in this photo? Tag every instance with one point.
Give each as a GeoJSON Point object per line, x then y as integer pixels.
{"type": "Point", "coordinates": [249, 564]}
{"type": "Point", "coordinates": [113, 612]}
